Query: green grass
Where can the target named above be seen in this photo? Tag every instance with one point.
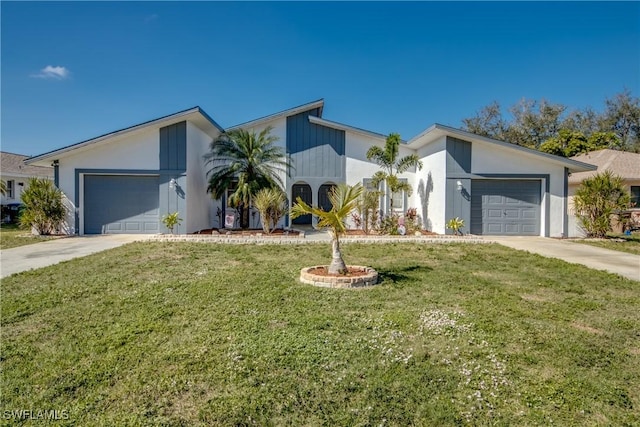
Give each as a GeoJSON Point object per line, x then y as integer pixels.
{"type": "Point", "coordinates": [616, 242]}
{"type": "Point", "coordinates": [204, 334]}
{"type": "Point", "coordinates": [12, 236]}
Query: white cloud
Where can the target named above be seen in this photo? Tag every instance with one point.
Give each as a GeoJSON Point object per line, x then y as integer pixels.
{"type": "Point", "coordinates": [51, 72]}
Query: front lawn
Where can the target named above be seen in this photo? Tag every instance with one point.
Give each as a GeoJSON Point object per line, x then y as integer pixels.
{"type": "Point", "coordinates": [617, 242]}
{"type": "Point", "coordinates": [206, 334]}
{"type": "Point", "coordinates": [12, 236]}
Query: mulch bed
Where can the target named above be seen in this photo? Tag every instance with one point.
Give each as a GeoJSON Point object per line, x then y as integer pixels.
{"type": "Point", "coordinates": [253, 232]}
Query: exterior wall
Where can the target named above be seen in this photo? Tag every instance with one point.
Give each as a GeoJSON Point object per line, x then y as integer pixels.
{"type": "Point", "coordinates": [575, 230]}
{"type": "Point", "coordinates": [492, 160]}
{"type": "Point", "coordinates": [200, 206]}
{"type": "Point", "coordinates": [139, 151]}
{"type": "Point", "coordinates": [358, 167]}
{"type": "Point", "coordinates": [17, 188]}
{"type": "Point", "coordinates": [430, 186]}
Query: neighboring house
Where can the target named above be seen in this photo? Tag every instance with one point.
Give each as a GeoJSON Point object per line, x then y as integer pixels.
{"type": "Point", "coordinates": [621, 163]}
{"type": "Point", "coordinates": [125, 181]}
{"type": "Point", "coordinates": [15, 173]}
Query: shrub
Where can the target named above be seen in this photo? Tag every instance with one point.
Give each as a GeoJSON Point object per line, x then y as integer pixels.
{"type": "Point", "coordinates": [412, 221]}
{"type": "Point", "coordinates": [598, 200]}
{"type": "Point", "coordinates": [171, 220]}
{"type": "Point", "coordinates": [456, 224]}
{"type": "Point", "coordinates": [389, 224]}
{"type": "Point", "coordinates": [271, 203]}
{"type": "Point", "coordinates": [367, 207]}
{"type": "Point", "coordinates": [44, 210]}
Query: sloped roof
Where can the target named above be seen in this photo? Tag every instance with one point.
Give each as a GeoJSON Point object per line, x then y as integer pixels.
{"type": "Point", "coordinates": [13, 164]}
{"type": "Point", "coordinates": [436, 131]}
{"type": "Point", "coordinates": [284, 113]}
{"type": "Point", "coordinates": [622, 163]}
{"type": "Point", "coordinates": [195, 115]}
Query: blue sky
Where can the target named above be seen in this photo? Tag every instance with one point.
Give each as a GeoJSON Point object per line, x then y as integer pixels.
{"type": "Point", "coordinates": [72, 71]}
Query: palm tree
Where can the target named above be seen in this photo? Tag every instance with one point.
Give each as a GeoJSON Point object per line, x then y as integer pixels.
{"type": "Point", "coordinates": [248, 161]}
{"type": "Point", "coordinates": [391, 166]}
{"type": "Point", "coordinates": [344, 199]}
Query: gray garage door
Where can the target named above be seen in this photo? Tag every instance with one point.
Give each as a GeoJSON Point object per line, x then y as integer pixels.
{"type": "Point", "coordinates": [121, 204]}
{"type": "Point", "coordinates": [501, 207]}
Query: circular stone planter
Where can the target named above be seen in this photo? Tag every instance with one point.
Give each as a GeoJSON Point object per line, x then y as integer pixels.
{"type": "Point", "coordinates": [368, 277]}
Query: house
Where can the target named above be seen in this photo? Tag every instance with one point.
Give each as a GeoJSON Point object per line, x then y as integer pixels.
{"type": "Point", "coordinates": [621, 163]}
{"type": "Point", "coordinates": [15, 173]}
{"type": "Point", "coordinates": [125, 181]}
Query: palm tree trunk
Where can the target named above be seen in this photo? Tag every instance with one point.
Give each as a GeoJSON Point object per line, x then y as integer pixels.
{"type": "Point", "coordinates": [337, 265]}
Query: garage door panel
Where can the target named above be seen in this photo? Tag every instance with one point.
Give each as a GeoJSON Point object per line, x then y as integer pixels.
{"type": "Point", "coordinates": [505, 207]}
{"type": "Point", "coordinates": [121, 204]}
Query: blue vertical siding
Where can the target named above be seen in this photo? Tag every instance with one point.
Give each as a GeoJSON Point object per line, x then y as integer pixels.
{"type": "Point", "coordinates": [316, 151]}
{"type": "Point", "coordinates": [173, 147]}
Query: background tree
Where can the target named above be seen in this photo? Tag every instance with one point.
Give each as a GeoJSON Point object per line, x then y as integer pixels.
{"type": "Point", "coordinates": [570, 143]}
{"type": "Point", "coordinates": [344, 199]}
{"type": "Point", "coordinates": [44, 209]}
{"type": "Point", "coordinates": [531, 123]}
{"type": "Point", "coordinates": [387, 159]}
{"type": "Point", "coordinates": [248, 161]}
{"type": "Point", "coordinates": [597, 200]}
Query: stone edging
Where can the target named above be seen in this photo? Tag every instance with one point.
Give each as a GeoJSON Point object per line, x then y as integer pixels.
{"type": "Point", "coordinates": [298, 240]}
{"type": "Point", "coordinates": [370, 279]}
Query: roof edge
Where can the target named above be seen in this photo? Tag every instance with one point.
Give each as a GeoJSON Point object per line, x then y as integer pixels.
{"type": "Point", "coordinates": [469, 135]}
{"type": "Point", "coordinates": [342, 126]}
{"type": "Point", "coordinates": [288, 112]}
{"type": "Point", "coordinates": [102, 137]}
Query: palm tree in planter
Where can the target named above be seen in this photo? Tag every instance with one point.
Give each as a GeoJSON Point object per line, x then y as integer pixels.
{"type": "Point", "coordinates": [344, 199]}
{"type": "Point", "coordinates": [392, 166]}
{"type": "Point", "coordinates": [248, 161]}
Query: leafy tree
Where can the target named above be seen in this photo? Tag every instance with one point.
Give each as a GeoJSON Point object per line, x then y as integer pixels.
{"type": "Point", "coordinates": [622, 116]}
{"type": "Point", "coordinates": [344, 199]}
{"type": "Point", "coordinates": [531, 123]}
{"type": "Point", "coordinates": [598, 199]}
{"type": "Point", "coordinates": [488, 122]}
{"type": "Point", "coordinates": [44, 208]}
{"type": "Point", "coordinates": [271, 203]}
{"type": "Point", "coordinates": [387, 159]}
{"type": "Point", "coordinates": [570, 143]}
{"type": "Point", "coordinates": [534, 122]}
{"type": "Point", "coordinates": [247, 160]}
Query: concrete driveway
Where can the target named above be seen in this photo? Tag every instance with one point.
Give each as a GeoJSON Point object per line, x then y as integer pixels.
{"type": "Point", "coordinates": [624, 264]}
{"type": "Point", "coordinates": [37, 255]}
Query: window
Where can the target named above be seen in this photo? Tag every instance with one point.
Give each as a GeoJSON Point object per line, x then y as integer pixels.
{"type": "Point", "coordinates": [10, 188]}
{"type": "Point", "coordinates": [232, 189]}
{"type": "Point", "coordinates": [399, 198]}
{"type": "Point", "coordinates": [635, 196]}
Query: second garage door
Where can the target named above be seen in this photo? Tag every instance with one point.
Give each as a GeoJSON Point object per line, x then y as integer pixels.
{"type": "Point", "coordinates": [121, 204]}
{"type": "Point", "coordinates": [505, 207]}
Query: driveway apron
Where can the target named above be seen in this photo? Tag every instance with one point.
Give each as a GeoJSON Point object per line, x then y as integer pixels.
{"type": "Point", "coordinates": [37, 255]}
{"type": "Point", "coordinates": [624, 264]}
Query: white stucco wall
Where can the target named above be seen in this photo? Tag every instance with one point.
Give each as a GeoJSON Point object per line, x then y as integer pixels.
{"type": "Point", "coordinates": [200, 206]}
{"type": "Point", "coordinates": [491, 159]}
{"type": "Point", "coordinates": [358, 167]}
{"type": "Point", "coordinates": [135, 151]}
{"type": "Point", "coordinates": [430, 186]}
